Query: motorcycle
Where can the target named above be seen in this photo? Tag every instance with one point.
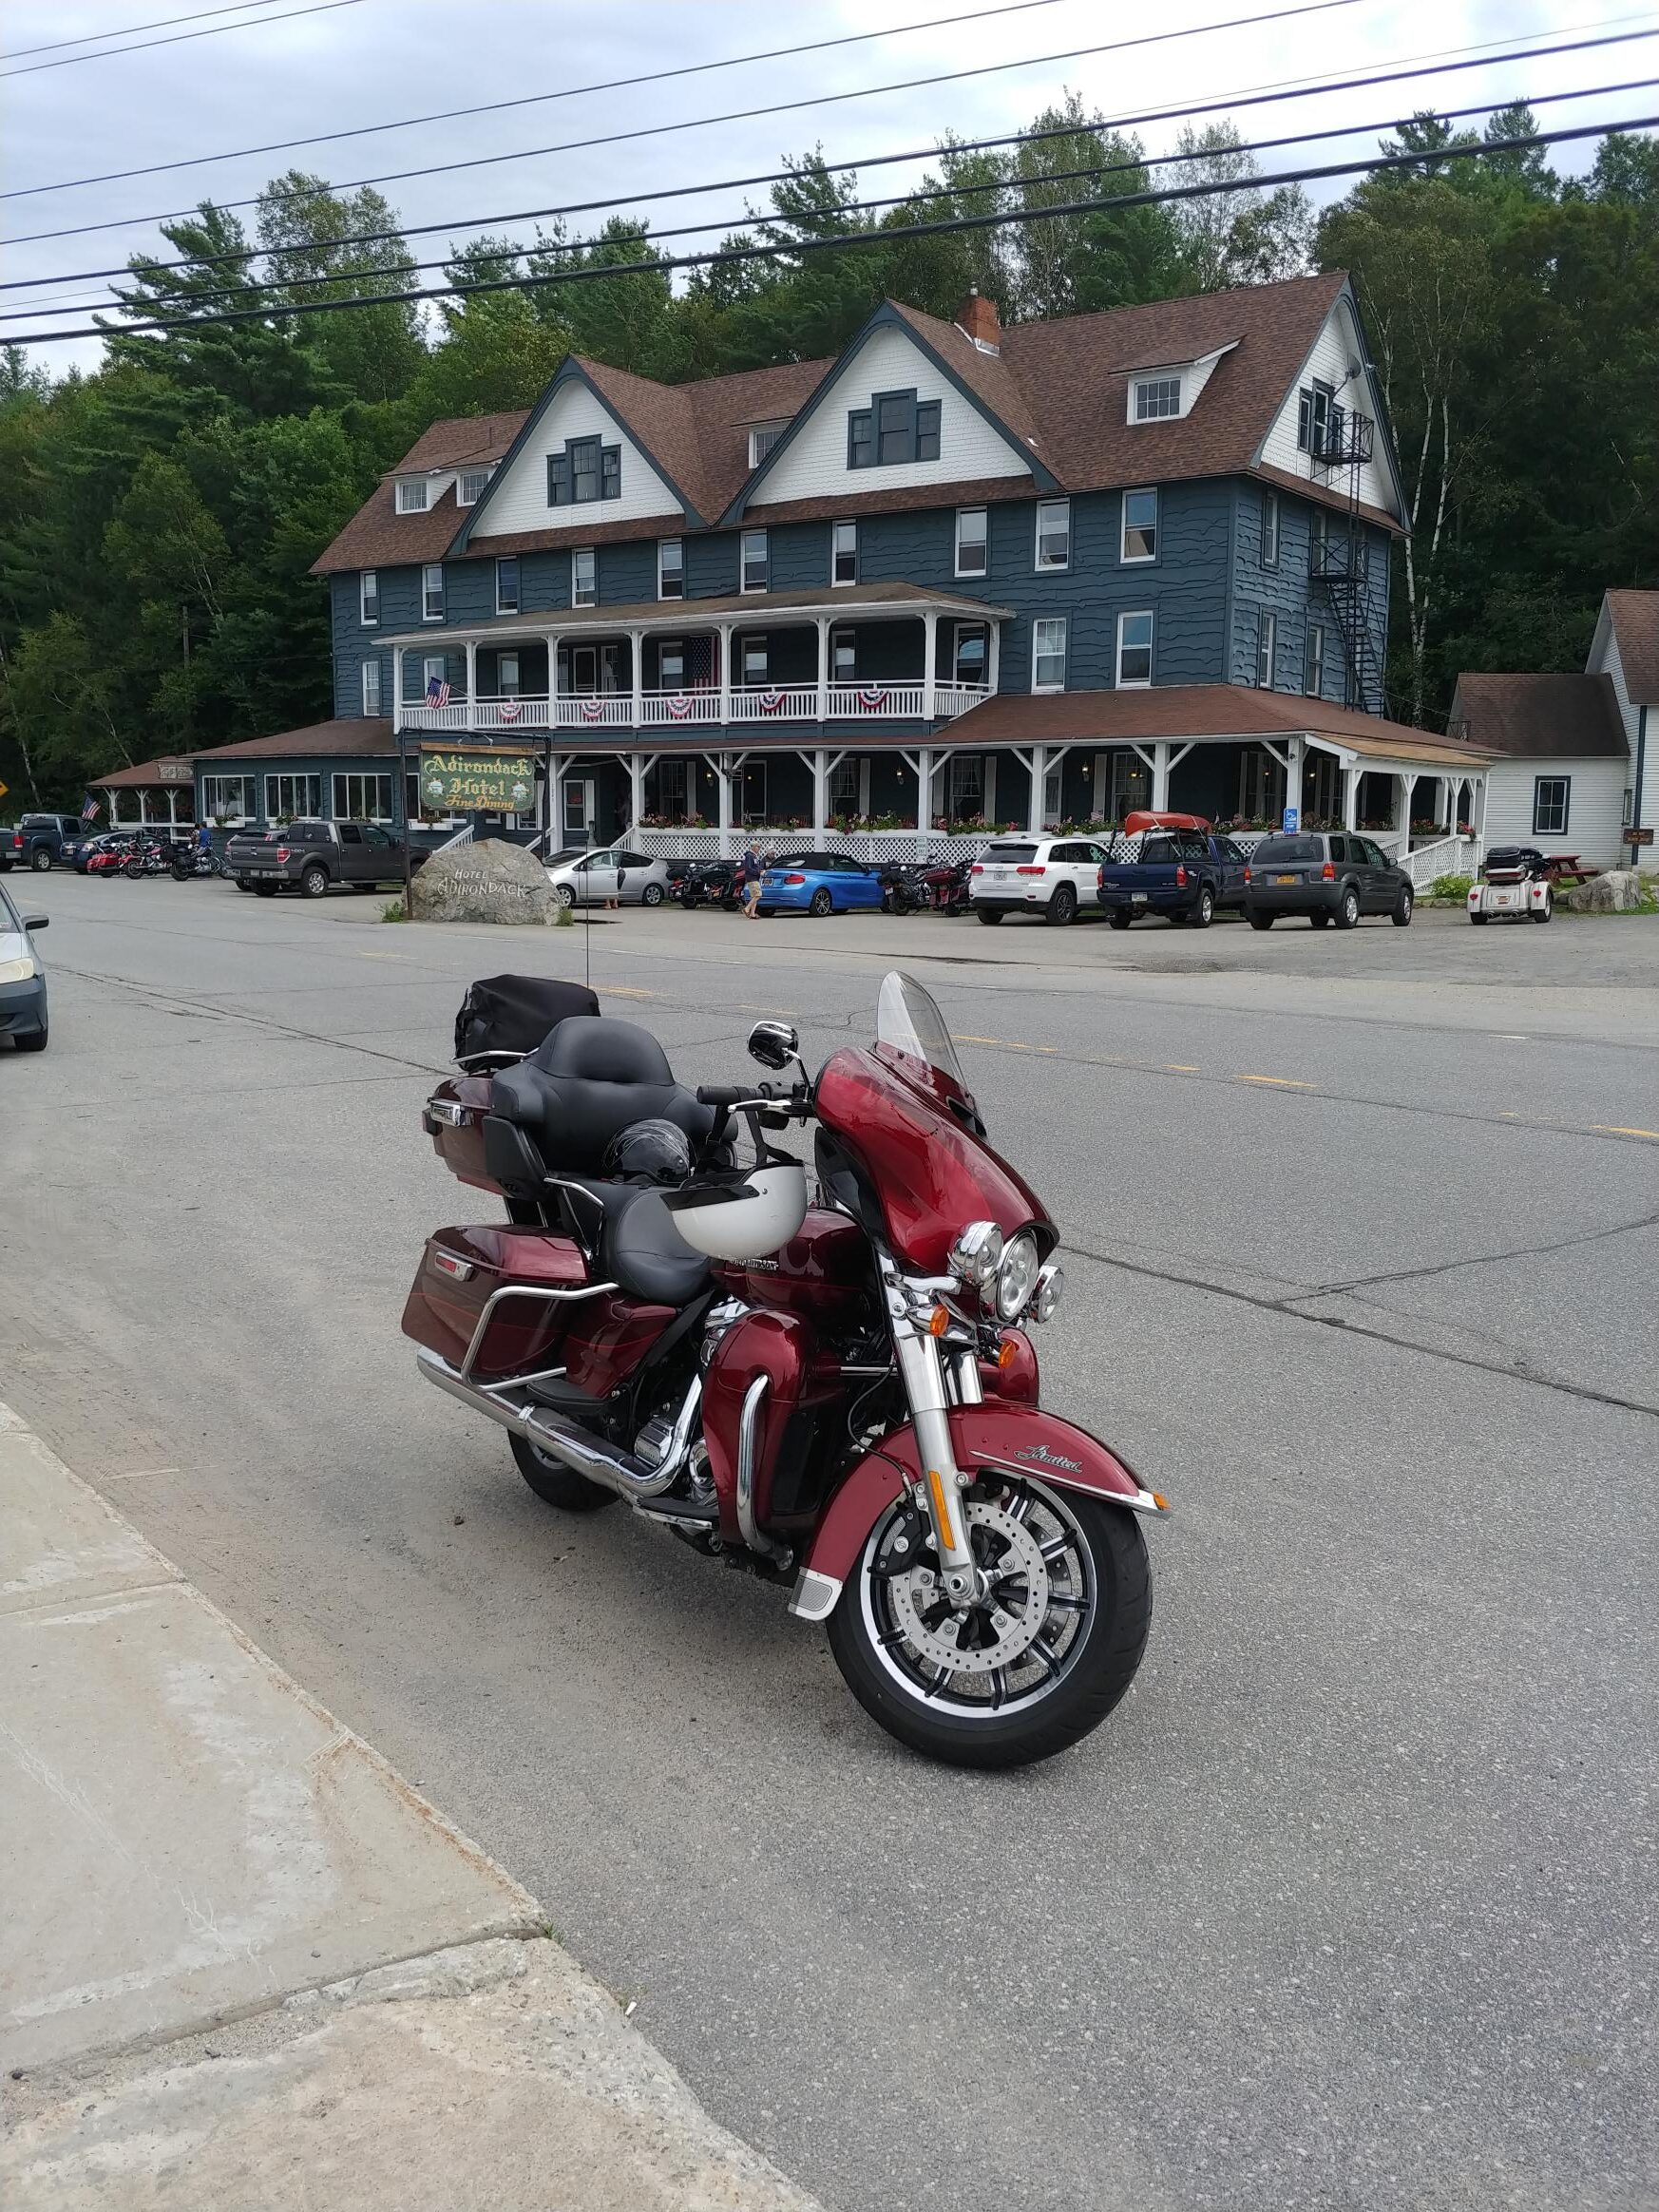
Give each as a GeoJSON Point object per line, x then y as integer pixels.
{"type": "Point", "coordinates": [712, 883]}
{"type": "Point", "coordinates": [150, 856]}
{"type": "Point", "coordinates": [834, 1391]}
{"type": "Point", "coordinates": [190, 861]}
{"type": "Point", "coordinates": [903, 886]}
{"type": "Point", "coordinates": [946, 885]}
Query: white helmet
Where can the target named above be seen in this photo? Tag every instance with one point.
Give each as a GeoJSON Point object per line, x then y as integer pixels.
{"type": "Point", "coordinates": [744, 1220]}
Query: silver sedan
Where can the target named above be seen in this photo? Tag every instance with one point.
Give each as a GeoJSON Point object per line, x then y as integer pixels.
{"type": "Point", "coordinates": [588, 879]}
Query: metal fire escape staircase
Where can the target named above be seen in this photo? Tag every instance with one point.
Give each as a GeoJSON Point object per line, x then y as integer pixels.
{"type": "Point", "coordinates": [1340, 562]}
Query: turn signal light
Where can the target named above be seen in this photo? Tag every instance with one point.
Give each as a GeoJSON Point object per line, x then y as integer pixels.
{"type": "Point", "coordinates": [1007, 1352]}
{"type": "Point", "coordinates": [938, 1321]}
{"type": "Point", "coordinates": [1031, 871]}
{"type": "Point", "coordinates": [1180, 876]}
{"type": "Point", "coordinates": [1328, 873]}
{"type": "Point", "coordinates": [1160, 1501]}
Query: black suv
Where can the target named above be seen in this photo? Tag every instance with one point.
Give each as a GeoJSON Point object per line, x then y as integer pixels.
{"type": "Point", "coordinates": [1329, 877]}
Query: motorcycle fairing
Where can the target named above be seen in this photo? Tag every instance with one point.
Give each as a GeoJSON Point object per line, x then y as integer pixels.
{"type": "Point", "coordinates": [1017, 1438]}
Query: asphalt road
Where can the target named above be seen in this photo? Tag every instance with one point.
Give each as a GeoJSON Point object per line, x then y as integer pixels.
{"type": "Point", "coordinates": [1351, 1904]}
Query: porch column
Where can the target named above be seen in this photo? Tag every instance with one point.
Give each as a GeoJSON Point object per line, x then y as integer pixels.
{"type": "Point", "coordinates": [1039, 775]}
{"type": "Point", "coordinates": [1350, 795]}
{"type": "Point", "coordinates": [635, 788]}
{"type": "Point", "coordinates": [929, 676]}
{"type": "Point", "coordinates": [1160, 796]}
{"type": "Point", "coordinates": [637, 664]}
{"type": "Point", "coordinates": [1293, 776]}
{"type": "Point", "coordinates": [925, 773]}
{"type": "Point", "coordinates": [473, 683]}
{"type": "Point", "coordinates": [723, 631]}
{"type": "Point", "coordinates": [819, 763]}
{"type": "Point", "coordinates": [723, 777]}
{"type": "Point", "coordinates": [823, 624]}
{"type": "Point", "coordinates": [1408, 783]}
{"type": "Point", "coordinates": [1477, 817]}
{"type": "Point", "coordinates": [994, 654]}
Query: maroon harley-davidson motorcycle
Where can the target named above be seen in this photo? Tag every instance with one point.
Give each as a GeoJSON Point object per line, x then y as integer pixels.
{"type": "Point", "coordinates": [830, 1388]}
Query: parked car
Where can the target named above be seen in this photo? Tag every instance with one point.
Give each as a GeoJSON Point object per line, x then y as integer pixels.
{"type": "Point", "coordinates": [1054, 877]}
{"type": "Point", "coordinates": [818, 884]}
{"type": "Point", "coordinates": [1515, 885]}
{"type": "Point", "coordinates": [104, 854]}
{"type": "Point", "coordinates": [310, 857]}
{"type": "Point", "coordinates": [38, 841]}
{"type": "Point", "coordinates": [586, 879]}
{"type": "Point", "coordinates": [1333, 877]}
{"type": "Point", "coordinates": [22, 991]}
{"type": "Point", "coordinates": [1182, 868]}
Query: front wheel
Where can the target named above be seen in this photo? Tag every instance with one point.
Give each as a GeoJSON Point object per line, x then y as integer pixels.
{"type": "Point", "coordinates": [313, 881]}
{"type": "Point", "coordinates": [556, 1484]}
{"type": "Point", "coordinates": [1062, 906]}
{"type": "Point", "coordinates": [1043, 1657]}
{"type": "Point", "coordinates": [132, 870]}
{"type": "Point", "coordinates": [1402, 915]}
{"type": "Point", "coordinates": [182, 871]}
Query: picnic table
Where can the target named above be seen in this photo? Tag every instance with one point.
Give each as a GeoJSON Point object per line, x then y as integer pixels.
{"type": "Point", "coordinates": [1566, 868]}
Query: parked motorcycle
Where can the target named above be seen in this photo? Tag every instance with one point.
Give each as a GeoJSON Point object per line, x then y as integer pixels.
{"type": "Point", "coordinates": [711, 883]}
{"type": "Point", "coordinates": [835, 1392]}
{"type": "Point", "coordinates": [150, 856]}
{"type": "Point", "coordinates": [903, 886]}
{"type": "Point", "coordinates": [946, 884]}
{"type": "Point", "coordinates": [190, 861]}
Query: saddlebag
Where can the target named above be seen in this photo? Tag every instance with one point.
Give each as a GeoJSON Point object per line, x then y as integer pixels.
{"type": "Point", "coordinates": [460, 1272]}
{"type": "Point", "coordinates": [510, 1016]}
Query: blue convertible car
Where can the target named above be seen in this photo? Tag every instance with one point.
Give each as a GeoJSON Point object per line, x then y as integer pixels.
{"type": "Point", "coordinates": [818, 883]}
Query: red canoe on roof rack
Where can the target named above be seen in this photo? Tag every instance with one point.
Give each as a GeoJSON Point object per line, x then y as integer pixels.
{"type": "Point", "coordinates": [1143, 819]}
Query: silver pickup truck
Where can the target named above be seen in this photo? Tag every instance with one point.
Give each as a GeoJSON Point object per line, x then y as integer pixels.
{"type": "Point", "coordinates": [309, 857]}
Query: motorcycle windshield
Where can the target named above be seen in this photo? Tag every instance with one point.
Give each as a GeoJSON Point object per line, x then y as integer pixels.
{"type": "Point", "coordinates": [902, 1146]}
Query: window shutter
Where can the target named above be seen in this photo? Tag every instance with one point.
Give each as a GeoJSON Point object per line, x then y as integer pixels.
{"type": "Point", "coordinates": [611, 472]}
{"type": "Point", "coordinates": [928, 430]}
{"type": "Point", "coordinates": [860, 439]}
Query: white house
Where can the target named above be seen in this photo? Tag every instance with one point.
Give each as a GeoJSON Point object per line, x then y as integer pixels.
{"type": "Point", "coordinates": [1572, 773]}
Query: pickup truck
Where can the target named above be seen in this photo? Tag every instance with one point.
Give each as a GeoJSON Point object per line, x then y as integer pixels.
{"type": "Point", "coordinates": [39, 840]}
{"type": "Point", "coordinates": [309, 857]}
{"type": "Point", "coordinates": [1183, 868]}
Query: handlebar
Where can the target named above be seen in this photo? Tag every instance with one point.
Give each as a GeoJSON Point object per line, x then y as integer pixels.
{"type": "Point", "coordinates": [724, 1094]}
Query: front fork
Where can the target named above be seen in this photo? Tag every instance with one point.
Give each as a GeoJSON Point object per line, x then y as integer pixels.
{"type": "Point", "coordinates": [923, 1373]}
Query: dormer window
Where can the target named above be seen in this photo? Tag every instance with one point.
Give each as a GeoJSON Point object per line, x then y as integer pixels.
{"type": "Point", "coordinates": [470, 488]}
{"type": "Point", "coordinates": [1157, 399]}
{"type": "Point", "coordinates": [586, 470]}
{"type": "Point", "coordinates": [411, 495]}
{"type": "Point", "coordinates": [762, 438]}
{"type": "Point", "coordinates": [896, 427]}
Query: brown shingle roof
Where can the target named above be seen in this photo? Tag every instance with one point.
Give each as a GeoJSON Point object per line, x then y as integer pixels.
{"type": "Point", "coordinates": [1635, 621]}
{"type": "Point", "coordinates": [1542, 716]}
{"type": "Point", "coordinates": [145, 773]}
{"type": "Point", "coordinates": [468, 440]}
{"type": "Point", "coordinates": [349, 736]}
{"type": "Point", "coordinates": [1199, 710]}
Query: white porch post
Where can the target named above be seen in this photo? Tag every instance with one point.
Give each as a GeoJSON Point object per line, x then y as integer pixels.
{"type": "Point", "coordinates": [723, 631]}
{"type": "Point", "coordinates": [1350, 794]}
{"type": "Point", "coordinates": [819, 763]}
{"type": "Point", "coordinates": [930, 673]}
{"type": "Point", "coordinates": [994, 656]}
{"type": "Point", "coordinates": [1039, 775]}
{"type": "Point", "coordinates": [1160, 796]}
{"type": "Point", "coordinates": [637, 665]}
{"type": "Point", "coordinates": [925, 774]}
{"type": "Point", "coordinates": [555, 800]}
{"type": "Point", "coordinates": [473, 683]}
{"type": "Point", "coordinates": [1477, 817]}
{"type": "Point", "coordinates": [723, 775]}
{"type": "Point", "coordinates": [635, 788]}
{"type": "Point", "coordinates": [1408, 782]}
{"type": "Point", "coordinates": [823, 622]}
{"type": "Point", "coordinates": [1293, 776]}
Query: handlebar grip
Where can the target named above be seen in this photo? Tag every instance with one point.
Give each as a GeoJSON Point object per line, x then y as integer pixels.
{"type": "Point", "coordinates": [723, 1093]}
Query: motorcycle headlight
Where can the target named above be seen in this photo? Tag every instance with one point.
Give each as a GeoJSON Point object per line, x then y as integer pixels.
{"type": "Point", "coordinates": [1017, 1276]}
{"type": "Point", "coordinates": [1050, 1283]}
{"type": "Point", "coordinates": [977, 1254]}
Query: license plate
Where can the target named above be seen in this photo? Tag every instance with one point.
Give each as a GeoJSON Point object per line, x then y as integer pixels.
{"type": "Point", "coordinates": [1137, 898]}
{"type": "Point", "coordinates": [1284, 879]}
{"type": "Point", "coordinates": [266, 874]}
{"type": "Point", "coordinates": [1504, 899]}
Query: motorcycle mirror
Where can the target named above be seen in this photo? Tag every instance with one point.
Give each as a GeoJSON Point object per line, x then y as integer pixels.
{"type": "Point", "coordinates": [774, 1044]}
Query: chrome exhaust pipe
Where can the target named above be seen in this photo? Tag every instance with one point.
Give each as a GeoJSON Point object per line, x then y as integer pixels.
{"type": "Point", "coordinates": [562, 1439]}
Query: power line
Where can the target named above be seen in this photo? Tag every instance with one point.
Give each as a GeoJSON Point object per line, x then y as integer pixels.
{"type": "Point", "coordinates": [1263, 96]}
{"type": "Point", "coordinates": [852, 206]}
{"type": "Point", "coordinates": [68, 61]}
{"type": "Point", "coordinates": [707, 122]}
{"type": "Point", "coordinates": [527, 100]}
{"type": "Point", "coordinates": [848, 241]}
{"type": "Point", "coordinates": [126, 30]}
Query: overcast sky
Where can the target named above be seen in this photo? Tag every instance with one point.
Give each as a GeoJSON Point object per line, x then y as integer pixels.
{"type": "Point", "coordinates": [382, 60]}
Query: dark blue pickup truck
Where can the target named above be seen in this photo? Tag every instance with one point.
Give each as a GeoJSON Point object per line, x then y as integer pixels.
{"type": "Point", "coordinates": [1191, 874]}
{"type": "Point", "coordinates": [38, 841]}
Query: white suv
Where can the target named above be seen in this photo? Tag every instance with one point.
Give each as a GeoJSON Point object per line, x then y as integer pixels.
{"type": "Point", "coordinates": [1051, 876]}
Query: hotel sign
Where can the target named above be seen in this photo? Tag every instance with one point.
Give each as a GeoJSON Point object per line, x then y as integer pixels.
{"type": "Point", "coordinates": [477, 783]}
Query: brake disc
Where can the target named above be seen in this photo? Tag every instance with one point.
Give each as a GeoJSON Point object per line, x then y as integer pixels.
{"type": "Point", "coordinates": [1015, 1622]}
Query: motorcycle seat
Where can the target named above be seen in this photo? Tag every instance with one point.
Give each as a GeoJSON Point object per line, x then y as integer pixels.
{"type": "Point", "coordinates": [589, 1081]}
{"type": "Point", "coordinates": [644, 1254]}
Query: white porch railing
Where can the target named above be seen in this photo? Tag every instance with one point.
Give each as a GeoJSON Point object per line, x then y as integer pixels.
{"type": "Point", "coordinates": [672, 710]}
{"type": "Point", "coordinates": [1445, 856]}
{"type": "Point", "coordinates": [691, 843]}
{"type": "Point", "coordinates": [761, 704]}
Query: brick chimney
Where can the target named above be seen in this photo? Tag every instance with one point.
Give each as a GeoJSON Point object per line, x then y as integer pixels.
{"type": "Point", "coordinates": [977, 318]}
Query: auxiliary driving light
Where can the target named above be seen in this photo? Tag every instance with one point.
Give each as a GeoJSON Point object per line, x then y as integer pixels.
{"type": "Point", "coordinates": [976, 1253]}
{"type": "Point", "coordinates": [1017, 1276]}
{"type": "Point", "coordinates": [1047, 1295]}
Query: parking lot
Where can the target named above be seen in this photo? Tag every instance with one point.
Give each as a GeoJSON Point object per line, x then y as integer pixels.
{"type": "Point", "coordinates": [1350, 1902]}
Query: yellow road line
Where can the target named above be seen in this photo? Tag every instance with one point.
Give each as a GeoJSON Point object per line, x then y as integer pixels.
{"type": "Point", "coordinates": [1611, 1129]}
{"type": "Point", "coordinates": [745, 1006]}
{"type": "Point", "coordinates": [1178, 1068]}
{"type": "Point", "coordinates": [1278, 1082]}
{"type": "Point", "coordinates": [965, 1037]}
{"type": "Point", "coordinates": [622, 991]}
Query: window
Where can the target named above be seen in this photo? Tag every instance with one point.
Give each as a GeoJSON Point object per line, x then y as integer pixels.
{"type": "Point", "coordinates": [507, 587]}
{"type": "Point", "coordinates": [1156, 398]}
{"type": "Point", "coordinates": [1054, 533]}
{"type": "Point", "coordinates": [844, 553]}
{"type": "Point", "coordinates": [752, 790]}
{"type": "Point", "coordinates": [584, 577]}
{"type": "Point", "coordinates": [1318, 543]}
{"type": "Point", "coordinates": [371, 686]}
{"type": "Point", "coordinates": [1316, 418]}
{"type": "Point", "coordinates": [670, 568]}
{"type": "Point", "coordinates": [586, 470]}
{"type": "Point", "coordinates": [470, 488]}
{"type": "Point", "coordinates": [1267, 642]}
{"type": "Point", "coordinates": [965, 787]}
{"type": "Point", "coordinates": [1313, 661]}
{"type": "Point", "coordinates": [754, 660]}
{"type": "Point", "coordinates": [1140, 525]}
{"type": "Point", "coordinates": [671, 664]}
{"type": "Point", "coordinates": [894, 429]}
{"type": "Point", "coordinates": [1550, 795]}
{"type": "Point", "coordinates": [1270, 529]}
{"type": "Point", "coordinates": [362, 798]}
{"type": "Point", "coordinates": [369, 597]}
{"type": "Point", "coordinates": [844, 655]}
{"type": "Point", "coordinates": [1052, 791]}
{"type": "Point", "coordinates": [227, 798]}
{"type": "Point", "coordinates": [411, 495]}
{"type": "Point", "coordinates": [762, 438]}
{"type": "Point", "coordinates": [970, 540]}
{"type": "Point", "coordinates": [288, 796]}
{"type": "Point", "coordinates": [1048, 654]}
{"type": "Point", "coordinates": [435, 669]}
{"type": "Point", "coordinates": [506, 676]}
{"type": "Point", "coordinates": [1135, 651]}
{"type": "Point", "coordinates": [433, 592]}
{"type": "Point", "coordinates": [972, 645]}
{"type": "Point", "coordinates": [753, 562]}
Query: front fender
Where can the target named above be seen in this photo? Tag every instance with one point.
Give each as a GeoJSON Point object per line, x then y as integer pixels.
{"type": "Point", "coordinates": [1019, 1439]}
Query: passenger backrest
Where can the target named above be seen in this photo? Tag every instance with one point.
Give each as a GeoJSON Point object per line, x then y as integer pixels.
{"type": "Point", "coordinates": [589, 1081]}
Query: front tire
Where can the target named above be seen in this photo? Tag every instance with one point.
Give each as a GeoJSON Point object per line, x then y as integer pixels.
{"type": "Point", "coordinates": [1062, 906]}
{"type": "Point", "coordinates": [1401, 914]}
{"type": "Point", "coordinates": [1074, 1581]}
{"type": "Point", "coordinates": [313, 881]}
{"type": "Point", "coordinates": [556, 1484]}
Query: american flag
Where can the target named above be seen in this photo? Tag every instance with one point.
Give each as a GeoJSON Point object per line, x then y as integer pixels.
{"type": "Point", "coordinates": [438, 693]}
{"type": "Point", "coordinates": [89, 808]}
